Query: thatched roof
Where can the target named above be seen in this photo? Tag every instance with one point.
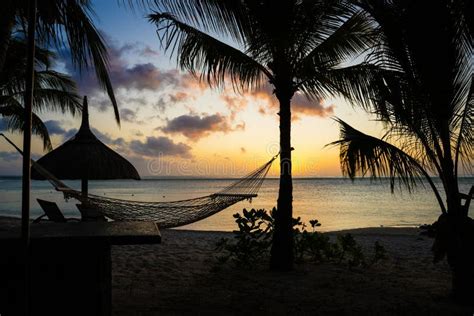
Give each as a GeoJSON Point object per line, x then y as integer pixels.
{"type": "Point", "coordinates": [85, 156]}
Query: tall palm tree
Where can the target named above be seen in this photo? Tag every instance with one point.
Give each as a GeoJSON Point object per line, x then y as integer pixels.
{"type": "Point", "coordinates": [61, 23]}
{"type": "Point", "coordinates": [298, 46]}
{"type": "Point", "coordinates": [426, 100]}
{"type": "Point", "coordinates": [53, 91]}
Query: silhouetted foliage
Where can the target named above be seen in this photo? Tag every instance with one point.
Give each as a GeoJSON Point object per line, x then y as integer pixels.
{"type": "Point", "coordinates": [424, 91]}
{"type": "Point", "coordinates": [54, 91]}
{"type": "Point", "coordinates": [61, 24]}
{"type": "Point", "coordinates": [252, 241]}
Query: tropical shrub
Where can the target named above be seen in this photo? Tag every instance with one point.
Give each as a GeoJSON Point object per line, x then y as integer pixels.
{"type": "Point", "coordinates": [252, 242]}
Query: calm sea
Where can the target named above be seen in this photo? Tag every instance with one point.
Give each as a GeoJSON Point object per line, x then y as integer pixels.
{"type": "Point", "coordinates": [336, 203]}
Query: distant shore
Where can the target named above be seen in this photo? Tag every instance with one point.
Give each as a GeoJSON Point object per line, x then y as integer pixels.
{"type": "Point", "coordinates": [182, 276]}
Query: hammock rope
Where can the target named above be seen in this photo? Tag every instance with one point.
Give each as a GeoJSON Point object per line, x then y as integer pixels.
{"type": "Point", "coordinates": [165, 214]}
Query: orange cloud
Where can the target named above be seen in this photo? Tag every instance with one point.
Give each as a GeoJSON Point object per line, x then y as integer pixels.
{"type": "Point", "coordinates": [195, 127]}
{"type": "Point", "coordinates": [264, 96]}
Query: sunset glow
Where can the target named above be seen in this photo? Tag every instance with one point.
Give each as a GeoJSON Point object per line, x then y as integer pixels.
{"type": "Point", "coordinates": [173, 125]}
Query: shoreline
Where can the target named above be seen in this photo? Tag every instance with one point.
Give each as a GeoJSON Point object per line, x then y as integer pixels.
{"type": "Point", "coordinates": [391, 230]}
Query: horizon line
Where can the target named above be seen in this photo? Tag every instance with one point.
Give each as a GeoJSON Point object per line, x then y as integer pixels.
{"type": "Point", "coordinates": [230, 178]}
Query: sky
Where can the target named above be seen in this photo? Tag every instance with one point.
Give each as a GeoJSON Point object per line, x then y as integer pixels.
{"type": "Point", "coordinates": [173, 125]}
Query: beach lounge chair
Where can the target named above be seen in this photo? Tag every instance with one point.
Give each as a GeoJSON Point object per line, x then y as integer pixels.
{"type": "Point", "coordinates": [52, 212]}
{"type": "Point", "coordinates": [89, 214]}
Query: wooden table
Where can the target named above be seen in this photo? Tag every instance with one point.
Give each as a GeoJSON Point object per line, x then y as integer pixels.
{"type": "Point", "coordinates": [70, 265]}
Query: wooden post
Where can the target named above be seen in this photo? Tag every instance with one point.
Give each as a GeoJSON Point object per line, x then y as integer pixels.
{"type": "Point", "coordinates": [84, 187]}
{"type": "Point", "coordinates": [84, 129]}
{"type": "Point", "coordinates": [25, 193]}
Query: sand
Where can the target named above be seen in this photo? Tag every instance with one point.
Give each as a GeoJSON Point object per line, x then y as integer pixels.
{"type": "Point", "coordinates": [182, 276]}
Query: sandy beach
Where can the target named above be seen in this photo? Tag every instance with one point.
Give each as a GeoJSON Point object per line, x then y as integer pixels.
{"type": "Point", "coordinates": [181, 276]}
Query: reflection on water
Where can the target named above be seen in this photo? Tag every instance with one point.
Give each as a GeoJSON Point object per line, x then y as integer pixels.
{"type": "Point", "coordinates": [336, 203]}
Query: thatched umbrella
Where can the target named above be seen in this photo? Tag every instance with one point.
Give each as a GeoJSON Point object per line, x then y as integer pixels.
{"type": "Point", "coordinates": [85, 157]}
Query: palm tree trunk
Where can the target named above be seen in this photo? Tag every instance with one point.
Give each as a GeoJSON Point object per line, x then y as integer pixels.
{"type": "Point", "coordinates": [282, 246]}
{"type": "Point", "coordinates": [26, 175]}
{"type": "Point", "coordinates": [456, 235]}
{"type": "Point", "coordinates": [6, 25]}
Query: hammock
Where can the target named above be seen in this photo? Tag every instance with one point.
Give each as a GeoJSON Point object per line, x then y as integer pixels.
{"type": "Point", "coordinates": [165, 214]}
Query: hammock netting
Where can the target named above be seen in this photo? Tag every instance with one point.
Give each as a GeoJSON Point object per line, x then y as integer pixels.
{"type": "Point", "coordinates": [173, 213]}
{"type": "Point", "coordinates": [165, 214]}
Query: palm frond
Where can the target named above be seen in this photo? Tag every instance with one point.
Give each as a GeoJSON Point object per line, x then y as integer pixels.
{"type": "Point", "coordinates": [361, 154]}
{"type": "Point", "coordinates": [56, 100]}
{"type": "Point", "coordinates": [226, 18]}
{"type": "Point", "coordinates": [350, 39]}
{"type": "Point", "coordinates": [55, 80]}
{"type": "Point", "coordinates": [14, 114]}
{"type": "Point", "coordinates": [464, 150]}
{"type": "Point", "coordinates": [53, 92]}
{"type": "Point", "coordinates": [361, 84]}
{"type": "Point", "coordinates": [207, 57]}
{"type": "Point", "coordinates": [68, 23]}
{"type": "Point", "coordinates": [7, 23]}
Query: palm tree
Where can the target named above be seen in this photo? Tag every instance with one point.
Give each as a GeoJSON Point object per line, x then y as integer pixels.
{"type": "Point", "coordinates": [61, 23]}
{"type": "Point", "coordinates": [53, 91]}
{"type": "Point", "coordinates": [426, 100]}
{"type": "Point", "coordinates": [56, 22]}
{"type": "Point", "coordinates": [298, 46]}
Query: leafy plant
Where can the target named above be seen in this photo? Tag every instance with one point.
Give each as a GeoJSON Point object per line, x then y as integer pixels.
{"type": "Point", "coordinates": [252, 242]}
{"type": "Point", "coordinates": [350, 251]}
{"type": "Point", "coordinates": [313, 246]}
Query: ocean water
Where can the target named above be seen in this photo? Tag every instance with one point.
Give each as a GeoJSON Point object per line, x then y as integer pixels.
{"type": "Point", "coordinates": [337, 203]}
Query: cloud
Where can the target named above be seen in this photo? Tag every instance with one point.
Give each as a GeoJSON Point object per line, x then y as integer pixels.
{"type": "Point", "coordinates": [195, 127]}
{"type": "Point", "coordinates": [267, 101]}
{"type": "Point", "coordinates": [70, 133]}
{"type": "Point", "coordinates": [104, 137]}
{"type": "Point", "coordinates": [54, 127]}
{"type": "Point", "coordinates": [156, 146]}
{"type": "Point", "coordinates": [9, 156]}
{"type": "Point", "coordinates": [3, 125]}
{"type": "Point", "coordinates": [149, 52]}
{"type": "Point", "coordinates": [137, 100]}
{"type": "Point", "coordinates": [128, 115]}
{"type": "Point", "coordinates": [123, 74]}
{"type": "Point", "coordinates": [302, 106]}
{"type": "Point", "coordinates": [234, 103]}
{"type": "Point", "coordinates": [151, 147]}
{"type": "Point", "coordinates": [142, 77]}
{"type": "Point", "coordinates": [262, 110]}
{"type": "Point", "coordinates": [109, 140]}
{"type": "Point", "coordinates": [171, 99]}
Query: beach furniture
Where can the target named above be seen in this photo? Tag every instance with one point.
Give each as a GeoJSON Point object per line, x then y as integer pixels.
{"type": "Point", "coordinates": [167, 214]}
{"type": "Point", "coordinates": [69, 263]}
{"type": "Point", "coordinates": [52, 212]}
